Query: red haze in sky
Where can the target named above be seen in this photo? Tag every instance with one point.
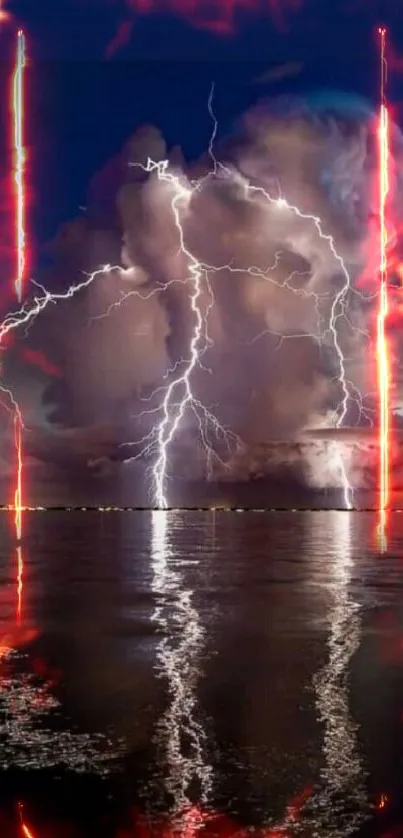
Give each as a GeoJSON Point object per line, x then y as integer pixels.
{"type": "Point", "coordinates": [218, 16]}
{"type": "Point", "coordinates": [38, 359]}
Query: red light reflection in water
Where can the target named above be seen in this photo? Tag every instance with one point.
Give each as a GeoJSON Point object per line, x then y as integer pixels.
{"type": "Point", "coordinates": [25, 830]}
{"type": "Point", "coordinates": [191, 823]}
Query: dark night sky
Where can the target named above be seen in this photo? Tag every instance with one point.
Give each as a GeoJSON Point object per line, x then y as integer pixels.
{"type": "Point", "coordinates": [82, 106]}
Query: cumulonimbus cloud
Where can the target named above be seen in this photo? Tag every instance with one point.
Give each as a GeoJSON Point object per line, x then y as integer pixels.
{"type": "Point", "coordinates": [270, 369]}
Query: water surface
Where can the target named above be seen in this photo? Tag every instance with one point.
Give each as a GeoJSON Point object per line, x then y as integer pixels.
{"type": "Point", "coordinates": [217, 671]}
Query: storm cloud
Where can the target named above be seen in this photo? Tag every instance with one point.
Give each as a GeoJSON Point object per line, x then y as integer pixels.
{"type": "Point", "coordinates": [271, 279]}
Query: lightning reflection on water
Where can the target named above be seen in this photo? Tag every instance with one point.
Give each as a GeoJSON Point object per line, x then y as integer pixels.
{"type": "Point", "coordinates": [180, 736]}
{"type": "Point", "coordinates": [340, 803]}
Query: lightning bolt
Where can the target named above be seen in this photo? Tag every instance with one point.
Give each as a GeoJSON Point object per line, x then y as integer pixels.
{"type": "Point", "coordinates": [382, 343]}
{"type": "Point", "coordinates": [24, 317]}
{"type": "Point", "coordinates": [178, 395]}
{"type": "Point", "coordinates": [42, 298]}
{"type": "Point", "coordinates": [337, 309]}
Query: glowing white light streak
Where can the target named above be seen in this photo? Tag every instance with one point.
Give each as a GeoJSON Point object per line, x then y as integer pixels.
{"type": "Point", "coordinates": [180, 733]}
{"type": "Point", "coordinates": [341, 803]}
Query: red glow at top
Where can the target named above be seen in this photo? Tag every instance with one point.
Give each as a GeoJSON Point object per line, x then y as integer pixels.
{"type": "Point", "coordinates": [217, 15]}
{"type": "Point", "coordinates": [4, 15]}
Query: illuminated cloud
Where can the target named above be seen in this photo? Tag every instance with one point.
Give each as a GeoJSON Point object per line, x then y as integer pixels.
{"type": "Point", "coordinates": [270, 369]}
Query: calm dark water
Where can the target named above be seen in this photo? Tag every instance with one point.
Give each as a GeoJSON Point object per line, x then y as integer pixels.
{"type": "Point", "coordinates": [216, 672]}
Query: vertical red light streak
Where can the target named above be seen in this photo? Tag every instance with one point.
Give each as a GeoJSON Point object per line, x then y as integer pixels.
{"type": "Point", "coordinates": [18, 510]}
{"type": "Point", "coordinates": [19, 163]}
{"type": "Point", "coordinates": [382, 343]}
{"type": "Point", "coordinates": [21, 257]}
{"type": "Point", "coordinates": [26, 831]}
{"type": "Point", "coordinates": [24, 828]}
